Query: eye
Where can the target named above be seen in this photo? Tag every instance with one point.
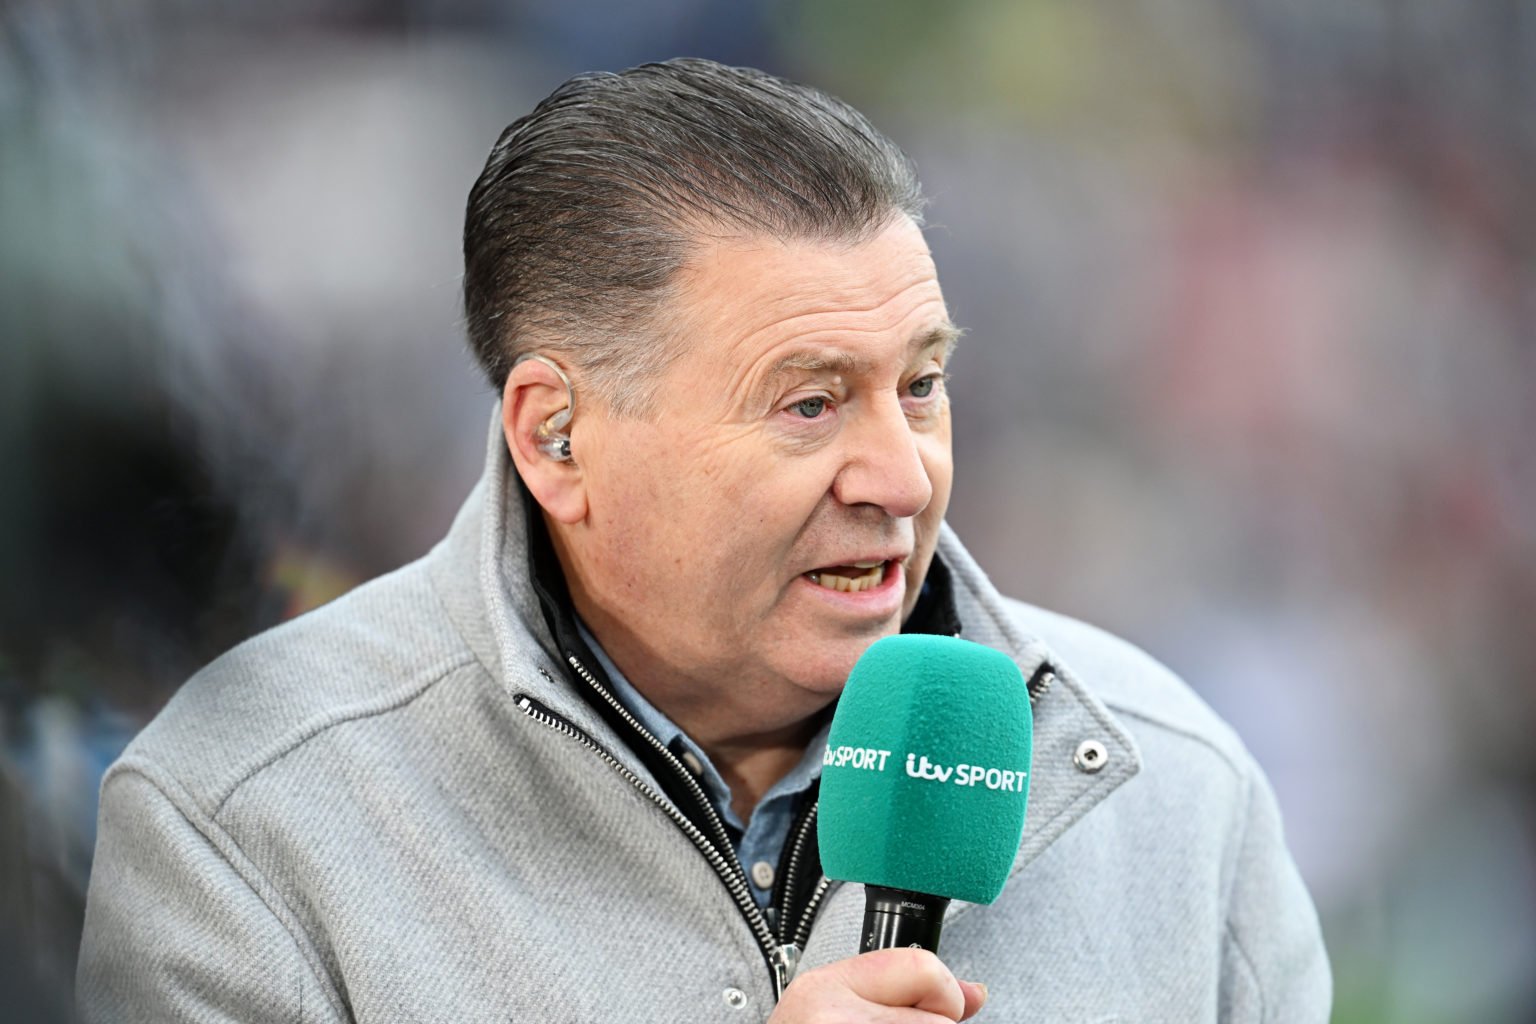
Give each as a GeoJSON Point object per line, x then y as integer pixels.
{"type": "Point", "coordinates": [810, 408]}
{"type": "Point", "coordinates": [923, 386]}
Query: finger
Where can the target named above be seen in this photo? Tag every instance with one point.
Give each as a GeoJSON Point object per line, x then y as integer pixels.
{"type": "Point", "coordinates": [975, 998]}
{"type": "Point", "coordinates": [905, 977]}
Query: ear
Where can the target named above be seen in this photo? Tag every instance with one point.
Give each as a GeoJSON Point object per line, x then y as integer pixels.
{"type": "Point", "coordinates": [534, 393]}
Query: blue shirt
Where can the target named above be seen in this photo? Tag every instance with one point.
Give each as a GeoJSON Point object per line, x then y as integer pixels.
{"type": "Point", "coordinates": [762, 838]}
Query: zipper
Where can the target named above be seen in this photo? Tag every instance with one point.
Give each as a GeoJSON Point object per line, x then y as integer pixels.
{"type": "Point", "coordinates": [782, 951]}
{"type": "Point", "coordinates": [798, 936]}
{"type": "Point", "coordinates": [792, 938]}
{"type": "Point", "coordinates": [785, 960]}
{"type": "Point", "coordinates": [784, 956]}
{"type": "Point", "coordinates": [781, 962]}
{"type": "Point", "coordinates": [721, 838]}
{"type": "Point", "coordinates": [1040, 683]}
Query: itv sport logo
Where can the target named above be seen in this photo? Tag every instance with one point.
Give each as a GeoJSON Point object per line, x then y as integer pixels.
{"type": "Point", "coordinates": [921, 767]}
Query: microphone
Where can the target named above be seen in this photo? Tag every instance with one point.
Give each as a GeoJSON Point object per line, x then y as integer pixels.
{"type": "Point", "coordinates": [924, 782]}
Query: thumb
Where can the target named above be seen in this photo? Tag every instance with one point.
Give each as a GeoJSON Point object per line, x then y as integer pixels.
{"type": "Point", "coordinates": [975, 998]}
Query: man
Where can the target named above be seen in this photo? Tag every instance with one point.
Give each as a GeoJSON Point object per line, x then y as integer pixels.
{"type": "Point", "coordinates": [564, 768]}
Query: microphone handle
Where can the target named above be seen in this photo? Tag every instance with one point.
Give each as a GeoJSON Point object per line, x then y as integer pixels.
{"type": "Point", "coordinates": [897, 917]}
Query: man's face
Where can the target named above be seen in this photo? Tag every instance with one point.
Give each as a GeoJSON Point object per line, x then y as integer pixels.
{"type": "Point", "coordinates": [778, 512]}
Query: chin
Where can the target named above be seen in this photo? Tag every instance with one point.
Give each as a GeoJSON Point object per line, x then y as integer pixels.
{"type": "Point", "coordinates": [826, 669]}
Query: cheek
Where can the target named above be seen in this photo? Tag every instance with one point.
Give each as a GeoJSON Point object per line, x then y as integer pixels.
{"type": "Point", "coordinates": [640, 498]}
{"type": "Point", "coordinates": [719, 508]}
{"type": "Point", "coordinates": [938, 459]}
{"type": "Point", "coordinates": [761, 511]}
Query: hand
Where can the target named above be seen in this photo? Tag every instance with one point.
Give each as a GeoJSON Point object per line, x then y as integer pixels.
{"type": "Point", "coordinates": [906, 985]}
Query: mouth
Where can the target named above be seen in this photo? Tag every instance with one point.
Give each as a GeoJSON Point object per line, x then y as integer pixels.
{"type": "Point", "coordinates": [853, 578]}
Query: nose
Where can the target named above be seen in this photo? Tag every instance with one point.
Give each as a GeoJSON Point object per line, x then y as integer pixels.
{"type": "Point", "coordinates": [882, 464]}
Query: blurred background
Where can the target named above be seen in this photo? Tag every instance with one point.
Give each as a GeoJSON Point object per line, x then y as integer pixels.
{"type": "Point", "coordinates": [1250, 379]}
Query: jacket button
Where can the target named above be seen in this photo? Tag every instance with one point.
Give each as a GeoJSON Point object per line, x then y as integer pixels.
{"type": "Point", "coordinates": [735, 998]}
{"type": "Point", "coordinates": [1091, 756]}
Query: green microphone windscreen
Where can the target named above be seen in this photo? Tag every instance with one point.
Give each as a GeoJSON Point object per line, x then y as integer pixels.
{"type": "Point", "coordinates": [926, 773]}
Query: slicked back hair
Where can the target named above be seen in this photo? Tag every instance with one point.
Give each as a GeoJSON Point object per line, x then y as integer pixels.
{"type": "Point", "coordinates": [589, 206]}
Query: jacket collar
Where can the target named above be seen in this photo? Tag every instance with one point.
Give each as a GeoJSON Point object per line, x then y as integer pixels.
{"type": "Point", "coordinates": [481, 571]}
{"type": "Point", "coordinates": [1063, 785]}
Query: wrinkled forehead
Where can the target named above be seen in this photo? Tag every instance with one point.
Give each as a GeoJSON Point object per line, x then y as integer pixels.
{"type": "Point", "coordinates": [739, 296]}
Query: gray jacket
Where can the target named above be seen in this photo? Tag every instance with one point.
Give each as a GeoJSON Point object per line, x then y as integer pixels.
{"type": "Point", "coordinates": [396, 809]}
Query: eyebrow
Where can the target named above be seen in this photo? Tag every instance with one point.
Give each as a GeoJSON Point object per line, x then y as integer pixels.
{"type": "Point", "coordinates": [944, 336]}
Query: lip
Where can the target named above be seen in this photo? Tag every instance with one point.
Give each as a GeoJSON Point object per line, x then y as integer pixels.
{"type": "Point", "coordinates": [899, 555]}
{"type": "Point", "coordinates": [878, 602]}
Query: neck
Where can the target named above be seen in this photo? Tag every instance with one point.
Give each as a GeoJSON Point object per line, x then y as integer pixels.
{"type": "Point", "coordinates": [751, 765]}
{"type": "Point", "coordinates": [751, 734]}
{"type": "Point", "coordinates": [754, 732]}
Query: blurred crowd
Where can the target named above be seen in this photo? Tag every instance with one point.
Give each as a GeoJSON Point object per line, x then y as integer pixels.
{"type": "Point", "coordinates": [1250, 378]}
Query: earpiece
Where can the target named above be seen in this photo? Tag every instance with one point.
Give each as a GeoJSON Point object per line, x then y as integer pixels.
{"type": "Point", "coordinates": [550, 436]}
{"type": "Point", "coordinates": [556, 446]}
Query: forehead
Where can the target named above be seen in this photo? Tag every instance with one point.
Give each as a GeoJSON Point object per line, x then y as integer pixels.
{"type": "Point", "coordinates": [743, 301]}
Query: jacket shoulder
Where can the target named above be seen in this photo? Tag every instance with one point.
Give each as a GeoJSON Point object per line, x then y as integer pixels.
{"type": "Point", "coordinates": [373, 650]}
{"type": "Point", "coordinates": [1130, 681]}
{"type": "Point", "coordinates": [1202, 808]}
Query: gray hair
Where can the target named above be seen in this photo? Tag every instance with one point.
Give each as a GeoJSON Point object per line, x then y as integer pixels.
{"type": "Point", "coordinates": [589, 206]}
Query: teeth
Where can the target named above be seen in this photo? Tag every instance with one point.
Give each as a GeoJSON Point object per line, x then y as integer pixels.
{"type": "Point", "coordinates": [844, 584]}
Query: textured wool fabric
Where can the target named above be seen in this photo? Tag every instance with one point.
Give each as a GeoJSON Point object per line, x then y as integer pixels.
{"type": "Point", "coordinates": [927, 769]}
{"type": "Point", "coordinates": [352, 818]}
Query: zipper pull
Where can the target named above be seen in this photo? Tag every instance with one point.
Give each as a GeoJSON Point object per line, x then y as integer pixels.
{"type": "Point", "coordinates": [786, 960]}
